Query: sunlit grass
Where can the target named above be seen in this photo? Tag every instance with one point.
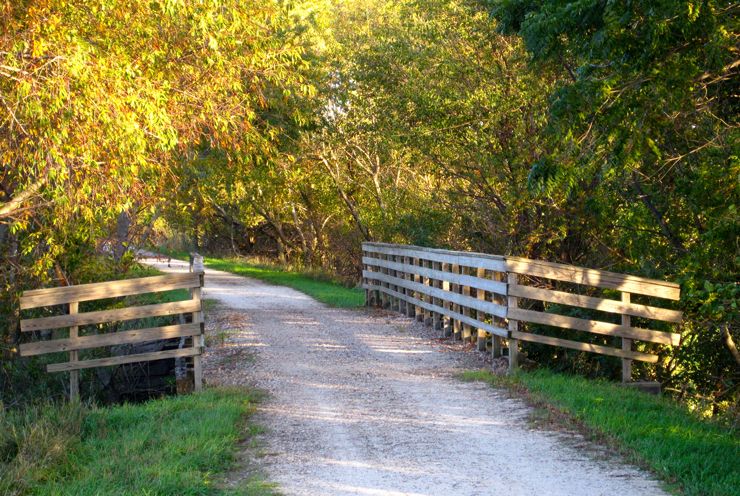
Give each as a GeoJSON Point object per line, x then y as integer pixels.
{"type": "Point", "coordinates": [694, 456]}
{"type": "Point", "coordinates": [177, 445]}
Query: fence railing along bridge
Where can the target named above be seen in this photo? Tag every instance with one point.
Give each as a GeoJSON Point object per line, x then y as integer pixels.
{"type": "Point", "coordinates": [472, 296]}
{"type": "Point", "coordinates": [49, 321]}
{"type": "Point", "coordinates": [489, 298]}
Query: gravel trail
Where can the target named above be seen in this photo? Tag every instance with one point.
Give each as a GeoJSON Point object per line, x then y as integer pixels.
{"type": "Point", "coordinates": [362, 403]}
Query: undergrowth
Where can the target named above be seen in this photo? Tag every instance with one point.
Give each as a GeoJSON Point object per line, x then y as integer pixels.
{"type": "Point", "coordinates": [176, 445]}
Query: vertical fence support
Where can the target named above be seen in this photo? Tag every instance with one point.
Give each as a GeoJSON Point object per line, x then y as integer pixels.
{"type": "Point", "coordinates": [410, 308]}
{"type": "Point", "coordinates": [402, 303]}
{"type": "Point", "coordinates": [365, 280]}
{"type": "Point", "coordinates": [437, 283]}
{"type": "Point", "coordinates": [198, 341]}
{"type": "Point", "coordinates": [512, 280]}
{"type": "Point", "coordinates": [481, 295]}
{"type": "Point", "coordinates": [446, 321]}
{"type": "Point", "coordinates": [456, 328]}
{"type": "Point", "coordinates": [626, 343]}
{"type": "Point", "coordinates": [428, 314]}
{"type": "Point", "coordinates": [384, 302]}
{"type": "Point", "coordinates": [74, 375]}
{"type": "Point", "coordinates": [496, 340]}
{"type": "Point", "coordinates": [467, 329]}
{"type": "Point", "coordinates": [417, 294]}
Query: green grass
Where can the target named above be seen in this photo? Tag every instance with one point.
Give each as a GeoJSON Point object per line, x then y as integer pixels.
{"type": "Point", "coordinates": [695, 457]}
{"type": "Point", "coordinates": [326, 291]}
{"type": "Point", "coordinates": [177, 445]}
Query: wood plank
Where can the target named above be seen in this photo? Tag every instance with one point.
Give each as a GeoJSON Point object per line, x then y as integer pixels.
{"type": "Point", "coordinates": [498, 331]}
{"type": "Point", "coordinates": [594, 326]}
{"type": "Point", "coordinates": [462, 279]}
{"type": "Point", "coordinates": [101, 316]}
{"type": "Point", "coordinates": [468, 259]}
{"type": "Point", "coordinates": [576, 345]}
{"type": "Point", "coordinates": [112, 289]}
{"type": "Point", "coordinates": [602, 304]}
{"type": "Point", "coordinates": [462, 300]}
{"type": "Point", "coordinates": [593, 277]}
{"type": "Point", "coordinates": [579, 275]}
{"type": "Point", "coordinates": [110, 339]}
{"type": "Point", "coordinates": [120, 360]}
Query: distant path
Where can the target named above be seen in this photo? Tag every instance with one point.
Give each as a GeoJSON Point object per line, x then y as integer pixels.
{"type": "Point", "coordinates": [360, 404]}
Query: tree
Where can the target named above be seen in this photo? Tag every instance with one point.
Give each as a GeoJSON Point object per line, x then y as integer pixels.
{"type": "Point", "coordinates": [646, 125]}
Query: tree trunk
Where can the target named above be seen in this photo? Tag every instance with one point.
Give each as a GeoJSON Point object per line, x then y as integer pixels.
{"type": "Point", "coordinates": [123, 225]}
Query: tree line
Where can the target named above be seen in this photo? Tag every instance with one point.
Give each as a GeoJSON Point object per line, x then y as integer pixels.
{"type": "Point", "coordinates": [602, 134]}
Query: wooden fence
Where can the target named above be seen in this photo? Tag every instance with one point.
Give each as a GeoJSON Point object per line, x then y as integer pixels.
{"type": "Point", "coordinates": [486, 298]}
{"type": "Point", "coordinates": [72, 296]}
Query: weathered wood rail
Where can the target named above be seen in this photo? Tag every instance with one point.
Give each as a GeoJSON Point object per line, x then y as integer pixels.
{"type": "Point", "coordinates": [488, 298]}
{"type": "Point", "coordinates": [72, 296]}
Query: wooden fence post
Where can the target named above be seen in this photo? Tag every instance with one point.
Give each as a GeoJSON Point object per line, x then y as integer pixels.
{"type": "Point", "coordinates": [626, 342]}
{"type": "Point", "coordinates": [513, 303]}
{"type": "Point", "coordinates": [455, 269]}
{"type": "Point", "coordinates": [74, 375]}
{"type": "Point", "coordinates": [436, 283]}
{"type": "Point", "coordinates": [427, 319]}
{"type": "Point", "coordinates": [419, 295]}
{"type": "Point", "coordinates": [365, 280]}
{"type": "Point", "coordinates": [198, 341]}
{"type": "Point", "coordinates": [396, 302]}
{"type": "Point", "coordinates": [409, 276]}
{"type": "Point", "coordinates": [467, 329]}
{"type": "Point", "coordinates": [496, 340]}
{"type": "Point", "coordinates": [446, 321]}
{"type": "Point", "coordinates": [481, 295]}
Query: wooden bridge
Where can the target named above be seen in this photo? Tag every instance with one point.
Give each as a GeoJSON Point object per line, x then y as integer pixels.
{"type": "Point", "coordinates": [487, 298]}
{"type": "Point", "coordinates": [472, 296]}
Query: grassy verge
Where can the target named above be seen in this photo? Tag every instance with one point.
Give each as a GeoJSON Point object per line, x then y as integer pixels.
{"type": "Point", "coordinates": [693, 456]}
{"type": "Point", "coordinates": [176, 445]}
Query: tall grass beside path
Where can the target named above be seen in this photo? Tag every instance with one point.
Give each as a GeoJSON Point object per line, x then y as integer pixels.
{"type": "Point", "coordinates": [176, 445]}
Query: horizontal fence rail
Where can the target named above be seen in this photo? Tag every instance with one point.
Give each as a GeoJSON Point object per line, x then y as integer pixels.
{"type": "Point", "coordinates": [71, 296]}
{"type": "Point", "coordinates": [485, 298]}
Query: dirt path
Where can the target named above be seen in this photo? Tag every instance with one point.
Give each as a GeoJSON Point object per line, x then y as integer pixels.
{"type": "Point", "coordinates": [361, 403]}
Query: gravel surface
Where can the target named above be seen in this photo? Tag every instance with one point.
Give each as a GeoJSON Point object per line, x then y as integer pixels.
{"type": "Point", "coordinates": [363, 402]}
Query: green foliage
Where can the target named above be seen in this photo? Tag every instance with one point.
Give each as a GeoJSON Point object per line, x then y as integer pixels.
{"type": "Point", "coordinates": [597, 133]}
{"type": "Point", "coordinates": [696, 456]}
{"type": "Point", "coordinates": [643, 134]}
{"type": "Point", "coordinates": [176, 445]}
